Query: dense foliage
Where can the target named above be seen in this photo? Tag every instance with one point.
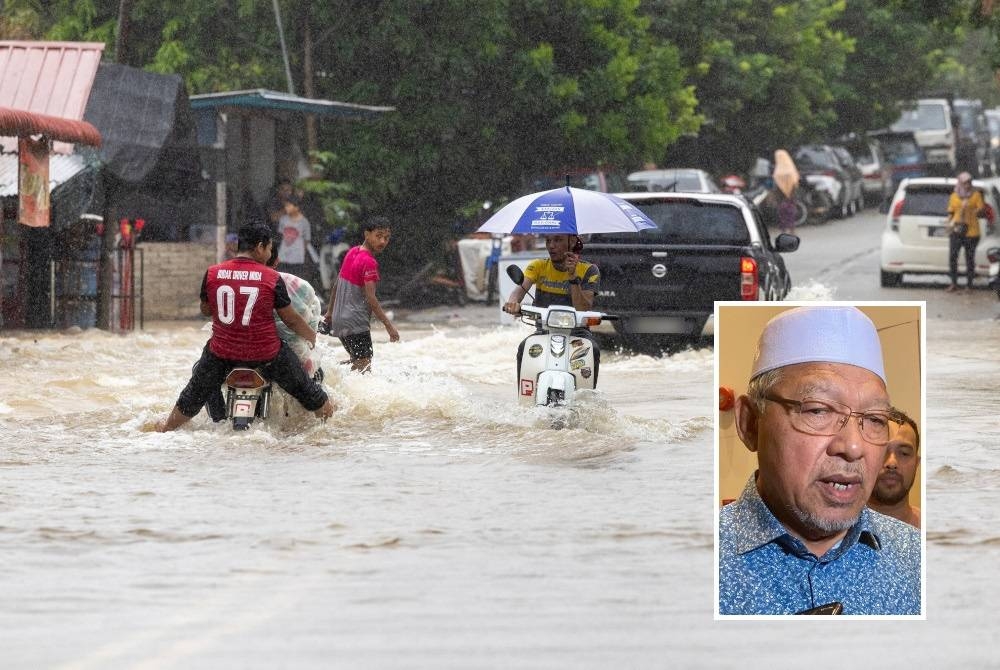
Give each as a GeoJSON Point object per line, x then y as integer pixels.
{"type": "Point", "coordinates": [490, 92]}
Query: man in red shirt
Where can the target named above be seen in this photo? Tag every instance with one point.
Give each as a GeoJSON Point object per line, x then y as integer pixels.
{"type": "Point", "coordinates": [241, 295]}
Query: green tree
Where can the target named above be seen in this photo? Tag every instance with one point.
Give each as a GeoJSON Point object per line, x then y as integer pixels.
{"type": "Point", "coordinates": [489, 96]}
{"type": "Point", "coordinates": [901, 53]}
{"type": "Point", "coordinates": [762, 70]}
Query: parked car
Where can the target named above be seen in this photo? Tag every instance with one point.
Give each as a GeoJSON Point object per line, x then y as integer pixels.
{"type": "Point", "coordinates": [930, 121]}
{"type": "Point", "coordinates": [876, 170]}
{"type": "Point", "coordinates": [689, 180]}
{"type": "Point", "coordinates": [915, 238]}
{"type": "Point", "coordinates": [993, 124]}
{"type": "Point", "coordinates": [592, 179]}
{"type": "Point", "coordinates": [972, 151]}
{"type": "Point", "coordinates": [832, 169]}
{"type": "Point", "coordinates": [904, 154]}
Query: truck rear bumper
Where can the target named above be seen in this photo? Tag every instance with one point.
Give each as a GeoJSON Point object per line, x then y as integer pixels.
{"type": "Point", "coordinates": [689, 325]}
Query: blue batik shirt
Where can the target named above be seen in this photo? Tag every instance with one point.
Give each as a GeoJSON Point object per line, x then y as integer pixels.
{"type": "Point", "coordinates": [875, 569]}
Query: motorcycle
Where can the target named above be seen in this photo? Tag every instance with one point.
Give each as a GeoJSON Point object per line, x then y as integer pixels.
{"type": "Point", "coordinates": [248, 397]}
{"type": "Point", "coordinates": [330, 255]}
{"type": "Point", "coordinates": [556, 362]}
{"type": "Point", "coordinates": [812, 204]}
{"type": "Point", "coordinates": [993, 256]}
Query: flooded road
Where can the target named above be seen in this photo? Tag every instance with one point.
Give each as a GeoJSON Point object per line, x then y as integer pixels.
{"type": "Point", "coordinates": [430, 523]}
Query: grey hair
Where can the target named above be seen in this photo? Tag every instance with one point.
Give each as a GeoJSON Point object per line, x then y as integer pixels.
{"type": "Point", "coordinates": [760, 385]}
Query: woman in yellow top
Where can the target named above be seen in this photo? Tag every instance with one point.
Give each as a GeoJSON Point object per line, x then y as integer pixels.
{"type": "Point", "coordinates": [965, 206]}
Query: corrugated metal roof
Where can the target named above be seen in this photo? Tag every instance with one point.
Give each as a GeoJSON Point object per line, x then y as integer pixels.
{"type": "Point", "coordinates": [61, 169]}
{"type": "Point", "coordinates": [52, 78]}
{"type": "Point", "coordinates": [277, 101]}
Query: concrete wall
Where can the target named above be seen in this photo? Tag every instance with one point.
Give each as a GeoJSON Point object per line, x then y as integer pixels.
{"type": "Point", "coordinates": [173, 274]}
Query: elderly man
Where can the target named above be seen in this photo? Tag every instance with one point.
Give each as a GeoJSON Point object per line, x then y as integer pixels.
{"type": "Point", "coordinates": [800, 539]}
{"type": "Point", "coordinates": [902, 457]}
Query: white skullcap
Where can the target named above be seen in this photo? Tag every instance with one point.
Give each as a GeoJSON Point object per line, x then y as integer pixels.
{"type": "Point", "coordinates": [819, 335]}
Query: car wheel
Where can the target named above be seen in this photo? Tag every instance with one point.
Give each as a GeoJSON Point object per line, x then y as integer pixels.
{"type": "Point", "coordinates": [891, 279]}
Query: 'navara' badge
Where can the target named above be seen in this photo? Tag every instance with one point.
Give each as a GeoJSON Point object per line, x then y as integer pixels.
{"type": "Point", "coordinates": [659, 270]}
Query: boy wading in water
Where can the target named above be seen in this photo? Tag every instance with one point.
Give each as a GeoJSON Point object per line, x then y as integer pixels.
{"type": "Point", "coordinates": [353, 300]}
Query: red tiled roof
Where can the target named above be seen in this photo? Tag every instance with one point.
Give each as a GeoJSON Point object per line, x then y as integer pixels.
{"type": "Point", "coordinates": [48, 78]}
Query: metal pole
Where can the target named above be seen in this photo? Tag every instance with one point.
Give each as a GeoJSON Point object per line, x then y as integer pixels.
{"type": "Point", "coordinates": [52, 293]}
{"type": "Point", "coordinates": [284, 49]}
{"type": "Point", "coordinates": [142, 289]}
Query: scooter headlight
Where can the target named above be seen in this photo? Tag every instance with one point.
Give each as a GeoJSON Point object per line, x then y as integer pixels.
{"type": "Point", "coordinates": [561, 319]}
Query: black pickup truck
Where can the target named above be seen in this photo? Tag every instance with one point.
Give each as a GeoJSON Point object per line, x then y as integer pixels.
{"type": "Point", "coordinates": [664, 282]}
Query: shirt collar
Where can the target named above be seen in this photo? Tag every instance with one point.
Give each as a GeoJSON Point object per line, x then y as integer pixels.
{"type": "Point", "coordinates": [761, 527]}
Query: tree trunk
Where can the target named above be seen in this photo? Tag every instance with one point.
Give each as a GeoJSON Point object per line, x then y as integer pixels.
{"type": "Point", "coordinates": [124, 30]}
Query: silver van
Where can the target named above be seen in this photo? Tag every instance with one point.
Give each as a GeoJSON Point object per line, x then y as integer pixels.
{"type": "Point", "coordinates": [929, 119]}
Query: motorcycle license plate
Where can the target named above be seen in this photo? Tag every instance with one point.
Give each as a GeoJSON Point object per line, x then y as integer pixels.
{"type": "Point", "coordinates": [243, 408]}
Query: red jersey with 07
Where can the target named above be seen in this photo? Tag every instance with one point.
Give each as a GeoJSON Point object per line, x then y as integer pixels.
{"type": "Point", "coordinates": [242, 295]}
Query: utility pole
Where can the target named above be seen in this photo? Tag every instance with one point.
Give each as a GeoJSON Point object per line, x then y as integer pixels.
{"type": "Point", "coordinates": [110, 186]}
{"type": "Point", "coordinates": [284, 49]}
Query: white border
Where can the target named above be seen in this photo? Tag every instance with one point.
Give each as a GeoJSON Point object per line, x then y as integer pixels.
{"type": "Point", "coordinates": [922, 304]}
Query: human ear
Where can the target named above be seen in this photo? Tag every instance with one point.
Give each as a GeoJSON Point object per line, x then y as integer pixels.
{"type": "Point", "coordinates": [746, 421]}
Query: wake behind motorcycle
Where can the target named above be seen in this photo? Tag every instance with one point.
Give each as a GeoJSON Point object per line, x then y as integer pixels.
{"type": "Point", "coordinates": [557, 360]}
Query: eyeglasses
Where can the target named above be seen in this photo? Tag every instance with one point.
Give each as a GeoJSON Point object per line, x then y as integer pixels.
{"type": "Point", "coordinates": [828, 417]}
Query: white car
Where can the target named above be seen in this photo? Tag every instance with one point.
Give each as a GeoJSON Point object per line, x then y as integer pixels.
{"type": "Point", "coordinates": [686, 180]}
{"type": "Point", "coordinates": [915, 238]}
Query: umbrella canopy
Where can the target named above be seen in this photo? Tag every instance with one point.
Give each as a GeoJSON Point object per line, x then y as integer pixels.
{"type": "Point", "coordinates": [567, 211]}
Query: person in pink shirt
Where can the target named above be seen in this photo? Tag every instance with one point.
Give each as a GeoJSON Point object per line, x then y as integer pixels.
{"type": "Point", "coordinates": [353, 300]}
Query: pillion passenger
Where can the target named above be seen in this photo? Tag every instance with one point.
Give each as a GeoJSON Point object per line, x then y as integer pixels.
{"type": "Point", "coordinates": [240, 295]}
{"type": "Point", "coordinates": [817, 414]}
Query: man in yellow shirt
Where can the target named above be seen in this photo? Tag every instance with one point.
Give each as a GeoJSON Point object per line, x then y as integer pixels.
{"type": "Point", "coordinates": [561, 279]}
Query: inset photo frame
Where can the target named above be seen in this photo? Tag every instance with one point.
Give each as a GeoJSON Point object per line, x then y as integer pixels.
{"type": "Point", "coordinates": [819, 491]}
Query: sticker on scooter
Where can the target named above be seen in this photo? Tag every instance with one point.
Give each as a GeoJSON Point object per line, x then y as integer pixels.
{"type": "Point", "coordinates": [586, 372]}
{"type": "Point", "coordinates": [576, 343]}
{"type": "Point", "coordinates": [535, 350]}
{"type": "Point", "coordinates": [527, 387]}
{"type": "Point", "coordinates": [576, 364]}
{"type": "Point", "coordinates": [579, 354]}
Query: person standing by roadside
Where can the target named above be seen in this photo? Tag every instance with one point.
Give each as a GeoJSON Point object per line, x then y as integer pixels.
{"type": "Point", "coordinates": [788, 213]}
{"type": "Point", "coordinates": [965, 206]}
{"type": "Point", "coordinates": [353, 300]}
{"type": "Point", "coordinates": [296, 239]}
{"type": "Point", "coordinates": [892, 488]}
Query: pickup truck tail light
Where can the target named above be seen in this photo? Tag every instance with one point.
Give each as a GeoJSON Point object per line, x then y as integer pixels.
{"type": "Point", "coordinates": [749, 282]}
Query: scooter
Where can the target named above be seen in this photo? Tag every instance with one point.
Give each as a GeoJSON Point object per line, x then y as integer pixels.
{"type": "Point", "coordinates": [330, 255]}
{"type": "Point", "coordinates": [993, 256]}
{"type": "Point", "coordinates": [248, 396]}
{"type": "Point", "coordinates": [556, 362]}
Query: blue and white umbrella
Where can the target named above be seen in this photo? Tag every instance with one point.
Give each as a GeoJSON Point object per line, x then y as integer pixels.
{"type": "Point", "coordinates": [567, 211]}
